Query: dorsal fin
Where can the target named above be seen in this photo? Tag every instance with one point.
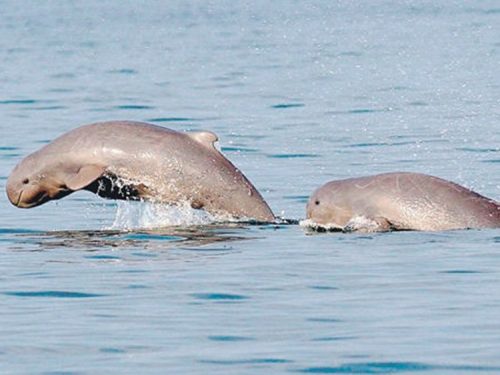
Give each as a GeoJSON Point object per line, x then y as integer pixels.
{"type": "Point", "coordinates": [206, 138]}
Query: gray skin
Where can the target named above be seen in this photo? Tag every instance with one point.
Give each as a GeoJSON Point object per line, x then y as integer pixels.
{"type": "Point", "coordinates": [400, 201]}
{"type": "Point", "coordinates": [133, 160]}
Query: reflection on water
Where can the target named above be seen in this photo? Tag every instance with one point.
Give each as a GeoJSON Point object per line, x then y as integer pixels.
{"type": "Point", "coordinates": [159, 239]}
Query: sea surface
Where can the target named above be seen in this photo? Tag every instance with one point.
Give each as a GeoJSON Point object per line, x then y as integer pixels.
{"type": "Point", "coordinates": [299, 93]}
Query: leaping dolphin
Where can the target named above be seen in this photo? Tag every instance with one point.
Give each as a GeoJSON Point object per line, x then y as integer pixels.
{"type": "Point", "coordinates": [134, 160]}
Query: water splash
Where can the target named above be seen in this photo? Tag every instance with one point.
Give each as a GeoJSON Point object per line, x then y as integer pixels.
{"type": "Point", "coordinates": [312, 226]}
{"type": "Point", "coordinates": [359, 223]}
{"type": "Point", "coordinates": [147, 215]}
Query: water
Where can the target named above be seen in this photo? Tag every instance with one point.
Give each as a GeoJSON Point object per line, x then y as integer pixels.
{"type": "Point", "coordinates": [299, 94]}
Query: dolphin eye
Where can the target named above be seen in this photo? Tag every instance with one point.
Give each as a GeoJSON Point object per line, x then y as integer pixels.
{"type": "Point", "coordinates": [26, 180]}
{"type": "Point", "coordinates": [316, 203]}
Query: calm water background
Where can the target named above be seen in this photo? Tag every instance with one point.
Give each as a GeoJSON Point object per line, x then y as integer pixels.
{"type": "Point", "coordinates": [299, 94]}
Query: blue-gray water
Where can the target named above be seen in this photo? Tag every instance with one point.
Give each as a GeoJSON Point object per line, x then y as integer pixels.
{"type": "Point", "coordinates": [299, 94]}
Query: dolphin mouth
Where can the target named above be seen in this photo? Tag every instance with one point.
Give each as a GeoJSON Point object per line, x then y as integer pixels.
{"type": "Point", "coordinates": [39, 199]}
{"type": "Point", "coordinates": [18, 200]}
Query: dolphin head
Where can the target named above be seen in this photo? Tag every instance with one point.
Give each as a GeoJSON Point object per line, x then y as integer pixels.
{"type": "Point", "coordinates": [327, 207]}
{"type": "Point", "coordinates": [34, 182]}
{"type": "Point", "coordinates": [46, 175]}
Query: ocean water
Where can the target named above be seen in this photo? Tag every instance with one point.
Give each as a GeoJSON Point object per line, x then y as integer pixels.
{"type": "Point", "coordinates": [299, 93]}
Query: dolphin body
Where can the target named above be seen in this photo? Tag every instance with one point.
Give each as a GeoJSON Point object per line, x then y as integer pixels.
{"type": "Point", "coordinates": [137, 161]}
{"type": "Point", "coordinates": [399, 201]}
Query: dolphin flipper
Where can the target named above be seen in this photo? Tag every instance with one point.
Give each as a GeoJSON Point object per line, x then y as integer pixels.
{"type": "Point", "coordinates": [84, 177]}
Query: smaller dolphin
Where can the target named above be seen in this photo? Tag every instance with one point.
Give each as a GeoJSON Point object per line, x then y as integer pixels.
{"type": "Point", "coordinates": [133, 160]}
{"type": "Point", "coordinates": [399, 201]}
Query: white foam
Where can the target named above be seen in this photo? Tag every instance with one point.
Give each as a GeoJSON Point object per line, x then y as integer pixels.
{"type": "Point", "coordinates": [310, 224]}
{"type": "Point", "coordinates": [362, 224]}
{"type": "Point", "coordinates": [356, 224]}
{"type": "Point", "coordinates": [147, 215]}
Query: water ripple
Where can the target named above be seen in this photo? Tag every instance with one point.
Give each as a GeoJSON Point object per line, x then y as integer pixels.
{"type": "Point", "coordinates": [287, 105]}
{"type": "Point", "coordinates": [297, 198]}
{"type": "Point", "coordinates": [324, 320]}
{"type": "Point", "coordinates": [219, 296]}
{"type": "Point", "coordinates": [133, 106]}
{"type": "Point", "coordinates": [52, 294]}
{"type": "Point", "coordinates": [238, 149]}
{"type": "Point", "coordinates": [334, 338]}
{"type": "Point", "coordinates": [390, 368]}
{"type": "Point", "coordinates": [291, 156]}
{"type": "Point", "coordinates": [46, 108]}
{"type": "Point", "coordinates": [137, 286]}
{"type": "Point", "coordinates": [170, 119]}
{"type": "Point", "coordinates": [18, 101]}
{"type": "Point", "coordinates": [478, 149]}
{"type": "Point", "coordinates": [123, 71]}
{"type": "Point", "coordinates": [323, 287]}
{"type": "Point", "coordinates": [153, 237]}
{"type": "Point", "coordinates": [377, 144]}
{"type": "Point", "coordinates": [18, 231]}
{"type": "Point", "coordinates": [230, 338]}
{"type": "Point", "coordinates": [491, 161]}
{"type": "Point", "coordinates": [145, 255]}
{"type": "Point", "coordinates": [103, 257]}
{"type": "Point", "coordinates": [359, 111]}
{"type": "Point", "coordinates": [112, 350]}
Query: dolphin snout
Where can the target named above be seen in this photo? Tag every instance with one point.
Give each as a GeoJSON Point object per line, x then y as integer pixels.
{"type": "Point", "coordinates": [14, 195]}
{"type": "Point", "coordinates": [310, 206]}
{"type": "Point", "coordinates": [308, 211]}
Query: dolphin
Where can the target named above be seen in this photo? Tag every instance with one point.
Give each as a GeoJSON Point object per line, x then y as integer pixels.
{"type": "Point", "coordinates": [137, 161]}
{"type": "Point", "coordinates": [399, 201]}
